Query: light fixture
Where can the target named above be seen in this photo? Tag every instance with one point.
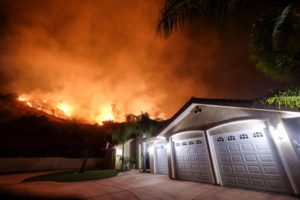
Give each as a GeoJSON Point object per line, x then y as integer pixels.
{"type": "Point", "coordinates": [279, 132]}
{"type": "Point", "coordinates": [150, 150]}
{"type": "Point", "coordinates": [118, 151]}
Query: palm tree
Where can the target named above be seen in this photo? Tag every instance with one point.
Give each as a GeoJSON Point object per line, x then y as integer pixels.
{"type": "Point", "coordinates": [278, 18]}
{"type": "Point", "coordinates": [121, 135]}
{"type": "Point", "coordinates": [275, 44]}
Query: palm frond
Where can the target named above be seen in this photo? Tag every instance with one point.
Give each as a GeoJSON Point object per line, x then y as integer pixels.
{"type": "Point", "coordinates": [177, 12]}
{"type": "Point", "coordinates": [274, 45]}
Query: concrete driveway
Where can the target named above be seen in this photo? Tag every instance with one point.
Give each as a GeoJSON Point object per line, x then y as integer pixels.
{"type": "Point", "coordinates": [127, 185]}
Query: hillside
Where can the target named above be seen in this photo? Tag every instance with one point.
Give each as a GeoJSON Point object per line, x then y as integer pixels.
{"type": "Point", "coordinates": [29, 132]}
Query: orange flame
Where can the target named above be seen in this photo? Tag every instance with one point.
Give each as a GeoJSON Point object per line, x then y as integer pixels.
{"type": "Point", "coordinates": [66, 110]}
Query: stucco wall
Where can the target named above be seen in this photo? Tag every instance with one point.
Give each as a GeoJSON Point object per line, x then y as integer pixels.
{"type": "Point", "coordinates": [129, 151]}
{"type": "Point", "coordinates": [54, 163]}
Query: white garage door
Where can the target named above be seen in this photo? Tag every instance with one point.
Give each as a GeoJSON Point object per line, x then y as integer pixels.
{"type": "Point", "coordinates": [192, 160]}
{"type": "Point", "coordinates": [248, 159]}
{"type": "Point", "coordinates": [161, 159]}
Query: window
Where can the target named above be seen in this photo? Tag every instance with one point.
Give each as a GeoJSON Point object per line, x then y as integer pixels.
{"type": "Point", "coordinates": [184, 143]}
{"type": "Point", "coordinates": [231, 138]}
{"type": "Point", "coordinates": [198, 141]}
{"type": "Point", "coordinates": [191, 142]}
{"type": "Point", "coordinates": [220, 139]}
{"type": "Point", "coordinates": [177, 144]}
{"type": "Point", "coordinates": [258, 134]}
{"type": "Point", "coordinates": [244, 136]}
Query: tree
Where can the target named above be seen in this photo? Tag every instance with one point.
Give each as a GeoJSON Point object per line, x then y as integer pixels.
{"type": "Point", "coordinates": [274, 51]}
{"type": "Point", "coordinates": [275, 44]}
{"type": "Point", "coordinates": [146, 129]}
{"type": "Point", "coordinates": [121, 135]}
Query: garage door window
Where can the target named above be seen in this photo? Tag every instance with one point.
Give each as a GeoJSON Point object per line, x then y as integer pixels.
{"type": "Point", "coordinates": [198, 141]}
{"type": "Point", "coordinates": [231, 137]}
{"type": "Point", "coordinates": [258, 134]}
{"type": "Point", "coordinates": [244, 136]}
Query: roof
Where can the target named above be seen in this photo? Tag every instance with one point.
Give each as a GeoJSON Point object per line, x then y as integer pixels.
{"type": "Point", "coordinates": [237, 103]}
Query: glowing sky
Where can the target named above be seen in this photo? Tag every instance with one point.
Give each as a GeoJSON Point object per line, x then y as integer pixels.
{"type": "Point", "coordinates": [93, 54]}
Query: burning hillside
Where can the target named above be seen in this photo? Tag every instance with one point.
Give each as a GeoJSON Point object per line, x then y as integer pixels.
{"type": "Point", "coordinates": [62, 109]}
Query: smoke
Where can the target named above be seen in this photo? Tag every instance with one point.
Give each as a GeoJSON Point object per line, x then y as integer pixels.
{"type": "Point", "coordinates": [100, 54]}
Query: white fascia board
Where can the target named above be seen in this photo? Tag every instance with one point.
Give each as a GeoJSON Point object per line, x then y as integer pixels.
{"type": "Point", "coordinates": [289, 114]}
{"type": "Point", "coordinates": [178, 119]}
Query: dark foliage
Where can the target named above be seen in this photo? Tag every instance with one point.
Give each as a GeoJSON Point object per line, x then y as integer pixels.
{"type": "Point", "coordinates": [26, 133]}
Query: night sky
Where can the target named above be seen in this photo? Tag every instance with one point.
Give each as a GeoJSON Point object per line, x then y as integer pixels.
{"type": "Point", "coordinates": [94, 53]}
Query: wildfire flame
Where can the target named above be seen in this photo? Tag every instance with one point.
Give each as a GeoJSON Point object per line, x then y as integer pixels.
{"type": "Point", "coordinates": [22, 98]}
{"type": "Point", "coordinates": [106, 115]}
{"type": "Point", "coordinates": [66, 110]}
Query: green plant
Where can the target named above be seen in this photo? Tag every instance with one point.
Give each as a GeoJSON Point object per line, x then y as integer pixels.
{"type": "Point", "coordinates": [289, 98]}
{"type": "Point", "coordinates": [121, 135]}
{"type": "Point", "coordinates": [123, 159]}
{"type": "Point", "coordinates": [132, 160]}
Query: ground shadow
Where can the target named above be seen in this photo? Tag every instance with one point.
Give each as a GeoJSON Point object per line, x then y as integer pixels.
{"type": "Point", "coordinates": [9, 195]}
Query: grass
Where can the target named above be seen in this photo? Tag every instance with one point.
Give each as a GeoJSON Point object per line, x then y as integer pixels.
{"type": "Point", "coordinates": [74, 176]}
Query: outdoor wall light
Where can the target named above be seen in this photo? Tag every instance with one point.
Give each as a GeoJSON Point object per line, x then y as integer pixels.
{"type": "Point", "coordinates": [150, 150]}
{"type": "Point", "coordinates": [279, 131]}
{"type": "Point", "coordinates": [118, 151]}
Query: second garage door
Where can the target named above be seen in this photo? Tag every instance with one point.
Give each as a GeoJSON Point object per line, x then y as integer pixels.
{"type": "Point", "coordinates": [192, 160]}
{"type": "Point", "coordinates": [249, 159]}
{"type": "Point", "coordinates": [161, 159]}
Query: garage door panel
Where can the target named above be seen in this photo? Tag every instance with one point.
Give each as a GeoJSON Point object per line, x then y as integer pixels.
{"type": "Point", "coordinates": [222, 149]}
{"type": "Point", "coordinates": [267, 158]}
{"type": "Point", "coordinates": [258, 183]}
{"type": "Point", "coordinates": [243, 181]}
{"type": "Point", "coordinates": [239, 169]}
{"type": "Point", "coordinates": [236, 158]}
{"type": "Point", "coordinates": [249, 159]}
{"type": "Point", "coordinates": [233, 148]}
{"type": "Point", "coordinates": [229, 180]}
{"type": "Point", "coordinates": [191, 160]}
{"type": "Point", "coordinates": [254, 170]}
{"type": "Point", "coordinates": [247, 147]}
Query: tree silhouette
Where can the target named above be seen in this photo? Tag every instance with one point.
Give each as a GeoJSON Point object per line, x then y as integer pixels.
{"type": "Point", "coordinates": [275, 35]}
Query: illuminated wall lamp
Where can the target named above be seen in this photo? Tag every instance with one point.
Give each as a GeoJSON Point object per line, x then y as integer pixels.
{"type": "Point", "coordinates": [150, 150]}
{"type": "Point", "coordinates": [279, 132]}
{"type": "Point", "coordinates": [119, 152]}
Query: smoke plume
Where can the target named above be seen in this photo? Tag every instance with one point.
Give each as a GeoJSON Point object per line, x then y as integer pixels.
{"type": "Point", "coordinates": [102, 56]}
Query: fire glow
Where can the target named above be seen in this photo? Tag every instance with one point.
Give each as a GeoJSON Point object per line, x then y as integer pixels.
{"type": "Point", "coordinates": [65, 110]}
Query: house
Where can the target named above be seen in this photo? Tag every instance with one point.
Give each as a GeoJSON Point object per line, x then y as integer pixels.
{"type": "Point", "coordinates": [236, 143]}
